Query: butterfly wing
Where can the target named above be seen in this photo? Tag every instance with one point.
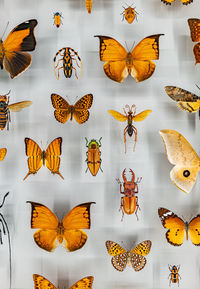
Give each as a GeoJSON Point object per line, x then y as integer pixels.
{"type": "Point", "coordinates": [52, 157]}
{"type": "Point", "coordinates": [81, 113]}
{"type": "Point", "coordinates": [194, 230]}
{"type": "Point", "coordinates": [169, 2]}
{"type": "Point", "coordinates": [43, 219]}
{"type": "Point", "coordinates": [117, 115]}
{"type": "Point", "coordinates": [145, 51]}
{"type": "Point", "coordinates": [138, 260]}
{"type": "Point", "coordinates": [42, 283]}
{"type": "Point", "coordinates": [115, 56]}
{"type": "Point", "coordinates": [175, 225]}
{"type": "Point", "coordinates": [76, 220]}
{"type": "Point", "coordinates": [185, 100]}
{"type": "Point", "coordinates": [181, 154]}
{"type": "Point", "coordinates": [142, 115]}
{"type": "Point", "coordinates": [3, 152]}
{"type": "Point", "coordinates": [194, 25]}
{"type": "Point", "coordinates": [62, 108]}
{"type": "Point", "coordinates": [19, 40]}
{"type": "Point", "coordinates": [120, 259]}
{"type": "Point", "coordinates": [34, 153]}
{"type": "Point", "coordinates": [84, 283]}
{"type": "Point", "coordinates": [19, 105]}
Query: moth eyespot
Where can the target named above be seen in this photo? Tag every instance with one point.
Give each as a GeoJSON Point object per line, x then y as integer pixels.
{"type": "Point", "coordinates": [186, 173]}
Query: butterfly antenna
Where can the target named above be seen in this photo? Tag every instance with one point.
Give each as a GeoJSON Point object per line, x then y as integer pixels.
{"type": "Point", "coordinates": [126, 46]}
{"type": "Point", "coordinates": [5, 29]}
{"type": "Point", "coordinates": [8, 92]}
{"type": "Point", "coordinates": [6, 230]}
{"type": "Point", "coordinates": [132, 46]}
{"type": "Point", "coordinates": [197, 86]}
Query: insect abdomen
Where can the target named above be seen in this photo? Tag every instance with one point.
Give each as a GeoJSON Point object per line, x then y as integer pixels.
{"type": "Point", "coordinates": [130, 130]}
{"type": "Point", "coordinates": [67, 63]}
{"type": "Point", "coordinates": [88, 4]}
{"type": "Point", "coordinates": [3, 115]}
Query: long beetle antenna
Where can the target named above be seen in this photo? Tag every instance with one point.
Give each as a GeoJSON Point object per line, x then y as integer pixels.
{"type": "Point", "coordinates": [6, 230]}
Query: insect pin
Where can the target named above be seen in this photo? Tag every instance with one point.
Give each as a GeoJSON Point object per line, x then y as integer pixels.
{"type": "Point", "coordinates": [129, 14]}
{"type": "Point", "coordinates": [88, 4]}
{"type": "Point", "coordinates": [6, 108]}
{"type": "Point", "coordinates": [130, 116]}
{"type": "Point", "coordinates": [129, 200]}
{"type": "Point", "coordinates": [67, 57]}
{"type": "Point", "coordinates": [93, 156]}
{"type": "Point", "coordinates": [174, 276]}
{"type": "Point", "coordinates": [57, 19]}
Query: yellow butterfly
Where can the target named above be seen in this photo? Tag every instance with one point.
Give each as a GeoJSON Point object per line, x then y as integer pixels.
{"type": "Point", "coordinates": [178, 229]}
{"type": "Point", "coordinates": [137, 63]}
{"type": "Point", "coordinates": [37, 157]}
{"type": "Point", "coordinates": [42, 283]}
{"type": "Point", "coordinates": [184, 158]}
{"type": "Point", "coordinates": [121, 257]}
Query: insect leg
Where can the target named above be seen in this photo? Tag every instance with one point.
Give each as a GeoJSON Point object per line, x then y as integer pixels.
{"type": "Point", "coordinates": [125, 131]}
{"type": "Point", "coordinates": [135, 132]}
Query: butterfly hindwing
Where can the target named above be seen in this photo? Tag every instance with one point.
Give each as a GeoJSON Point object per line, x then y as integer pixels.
{"type": "Point", "coordinates": [3, 152]}
{"type": "Point", "coordinates": [181, 154]}
{"type": "Point", "coordinates": [194, 25]}
{"type": "Point", "coordinates": [175, 225]}
{"type": "Point", "coordinates": [42, 283]}
{"type": "Point", "coordinates": [14, 58]}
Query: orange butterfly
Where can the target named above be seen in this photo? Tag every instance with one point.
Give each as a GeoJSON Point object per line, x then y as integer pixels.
{"type": "Point", "coordinates": [184, 2]}
{"type": "Point", "coordinates": [13, 55]}
{"type": "Point", "coordinates": [67, 232]}
{"type": "Point", "coordinates": [42, 283]}
{"type": "Point", "coordinates": [137, 63]}
{"type": "Point", "coordinates": [64, 110]}
{"type": "Point", "coordinates": [3, 152]}
{"type": "Point", "coordinates": [177, 228]}
{"type": "Point", "coordinates": [194, 25]}
{"type": "Point", "coordinates": [37, 157]}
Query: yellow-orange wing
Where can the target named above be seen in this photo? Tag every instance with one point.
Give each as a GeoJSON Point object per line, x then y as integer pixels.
{"type": "Point", "coordinates": [19, 105]}
{"type": "Point", "coordinates": [142, 115]}
{"type": "Point", "coordinates": [52, 156]}
{"type": "Point", "coordinates": [175, 225]}
{"type": "Point", "coordinates": [120, 255]}
{"type": "Point", "coordinates": [169, 2]}
{"type": "Point", "coordinates": [81, 113]}
{"type": "Point", "coordinates": [138, 260]}
{"type": "Point", "coordinates": [3, 152]}
{"type": "Point", "coordinates": [115, 56]}
{"type": "Point", "coordinates": [117, 115]}
{"type": "Point", "coordinates": [43, 219]}
{"type": "Point", "coordinates": [42, 283]}
{"type": "Point", "coordinates": [62, 108]}
{"type": "Point", "coordinates": [143, 54]}
{"type": "Point", "coordinates": [84, 283]}
{"type": "Point", "coordinates": [13, 55]}
{"type": "Point", "coordinates": [35, 156]}
{"type": "Point", "coordinates": [77, 219]}
{"type": "Point", "coordinates": [194, 25]}
{"type": "Point", "coordinates": [194, 230]}
{"type": "Point", "coordinates": [184, 158]}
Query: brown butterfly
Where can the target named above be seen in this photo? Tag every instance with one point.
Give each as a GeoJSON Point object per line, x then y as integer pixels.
{"type": "Point", "coordinates": [37, 157]}
{"type": "Point", "coordinates": [184, 2]}
{"type": "Point", "coordinates": [13, 55]}
{"type": "Point", "coordinates": [64, 110]}
{"type": "Point", "coordinates": [194, 25]}
{"type": "Point", "coordinates": [137, 63]}
{"type": "Point", "coordinates": [42, 283]}
{"type": "Point", "coordinates": [67, 232]}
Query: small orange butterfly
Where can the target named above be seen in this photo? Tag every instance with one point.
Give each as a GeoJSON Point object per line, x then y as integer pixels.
{"type": "Point", "coordinates": [137, 63]}
{"type": "Point", "coordinates": [67, 232]}
{"type": "Point", "coordinates": [184, 2]}
{"type": "Point", "coordinates": [64, 110]}
{"type": "Point", "coordinates": [194, 25]}
{"type": "Point", "coordinates": [129, 14]}
{"type": "Point", "coordinates": [130, 116]}
{"type": "Point", "coordinates": [37, 157]}
{"type": "Point", "coordinates": [13, 55]}
{"type": "Point", "coordinates": [178, 229]}
{"type": "Point", "coordinates": [121, 257]}
{"type": "Point", "coordinates": [42, 283]}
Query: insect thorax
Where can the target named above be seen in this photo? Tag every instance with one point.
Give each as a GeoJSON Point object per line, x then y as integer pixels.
{"type": "Point", "coordinates": [67, 63]}
{"type": "Point", "coordinates": [60, 231]}
{"type": "Point", "coordinates": [93, 144]}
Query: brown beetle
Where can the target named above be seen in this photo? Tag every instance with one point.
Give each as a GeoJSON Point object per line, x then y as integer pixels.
{"type": "Point", "coordinates": [93, 156]}
{"type": "Point", "coordinates": [129, 202]}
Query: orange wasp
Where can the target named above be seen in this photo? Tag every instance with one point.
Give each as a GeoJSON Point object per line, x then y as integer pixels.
{"type": "Point", "coordinates": [130, 116]}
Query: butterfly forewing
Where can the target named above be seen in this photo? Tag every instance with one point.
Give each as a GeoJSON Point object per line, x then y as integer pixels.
{"type": "Point", "coordinates": [175, 225]}
{"type": "Point", "coordinates": [138, 260]}
{"type": "Point", "coordinates": [3, 152]}
{"type": "Point", "coordinates": [194, 25]}
{"type": "Point", "coordinates": [58, 102]}
{"type": "Point", "coordinates": [42, 283]}
{"type": "Point", "coordinates": [84, 102]}
{"type": "Point", "coordinates": [84, 283]}
{"type": "Point", "coordinates": [184, 2]}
